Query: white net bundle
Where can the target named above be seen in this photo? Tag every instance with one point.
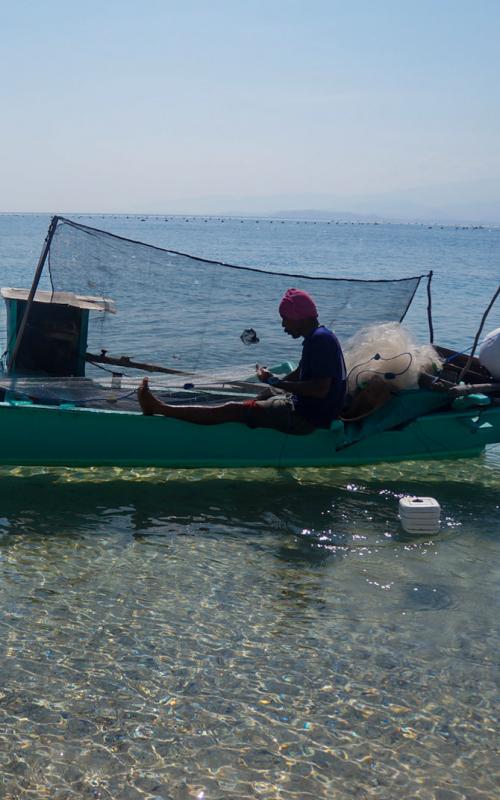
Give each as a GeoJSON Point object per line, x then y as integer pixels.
{"type": "Point", "coordinates": [387, 351]}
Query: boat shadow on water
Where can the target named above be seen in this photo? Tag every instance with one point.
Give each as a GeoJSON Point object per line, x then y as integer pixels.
{"type": "Point", "coordinates": [308, 520]}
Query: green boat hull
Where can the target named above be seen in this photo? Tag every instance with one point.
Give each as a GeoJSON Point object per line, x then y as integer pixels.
{"type": "Point", "coordinates": [416, 425]}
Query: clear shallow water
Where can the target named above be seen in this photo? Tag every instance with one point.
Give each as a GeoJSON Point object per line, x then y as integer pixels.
{"type": "Point", "coordinates": [225, 634]}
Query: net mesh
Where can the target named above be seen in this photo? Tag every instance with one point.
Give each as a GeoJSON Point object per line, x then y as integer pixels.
{"type": "Point", "coordinates": [199, 316]}
{"type": "Point", "coordinates": [173, 307]}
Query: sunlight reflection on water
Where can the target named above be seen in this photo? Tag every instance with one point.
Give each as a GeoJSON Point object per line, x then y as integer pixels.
{"type": "Point", "coordinates": [268, 634]}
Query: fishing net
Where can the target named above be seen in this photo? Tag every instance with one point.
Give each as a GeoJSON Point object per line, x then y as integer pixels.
{"type": "Point", "coordinates": [196, 316]}
{"type": "Point", "coordinates": [389, 352]}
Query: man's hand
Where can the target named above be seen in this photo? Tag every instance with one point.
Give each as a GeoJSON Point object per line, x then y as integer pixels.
{"type": "Point", "coordinates": [263, 374]}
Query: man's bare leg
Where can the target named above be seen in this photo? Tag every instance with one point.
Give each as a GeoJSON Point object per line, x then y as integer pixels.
{"type": "Point", "coordinates": [200, 415]}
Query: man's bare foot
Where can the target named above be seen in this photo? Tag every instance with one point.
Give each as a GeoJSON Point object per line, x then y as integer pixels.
{"type": "Point", "coordinates": [147, 401]}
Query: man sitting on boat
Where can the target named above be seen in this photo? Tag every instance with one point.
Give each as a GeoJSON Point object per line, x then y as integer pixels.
{"type": "Point", "coordinates": [310, 397]}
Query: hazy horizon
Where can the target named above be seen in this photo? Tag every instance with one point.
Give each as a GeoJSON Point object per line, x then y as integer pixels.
{"type": "Point", "coordinates": [357, 209]}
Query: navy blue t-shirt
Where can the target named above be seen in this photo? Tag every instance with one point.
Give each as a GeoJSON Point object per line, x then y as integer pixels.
{"type": "Point", "coordinates": [322, 358]}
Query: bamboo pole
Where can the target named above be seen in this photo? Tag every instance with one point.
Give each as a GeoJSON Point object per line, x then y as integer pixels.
{"type": "Point", "coordinates": [125, 361]}
{"type": "Point", "coordinates": [478, 334]}
{"type": "Point", "coordinates": [31, 296]}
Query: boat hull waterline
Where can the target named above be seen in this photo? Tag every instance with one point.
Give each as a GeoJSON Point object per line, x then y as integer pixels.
{"type": "Point", "coordinates": [36, 435]}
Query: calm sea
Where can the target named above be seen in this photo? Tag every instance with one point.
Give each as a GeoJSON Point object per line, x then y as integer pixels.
{"type": "Point", "coordinates": [257, 634]}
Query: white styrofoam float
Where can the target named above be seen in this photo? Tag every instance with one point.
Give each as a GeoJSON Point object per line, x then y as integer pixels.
{"type": "Point", "coordinates": [420, 514]}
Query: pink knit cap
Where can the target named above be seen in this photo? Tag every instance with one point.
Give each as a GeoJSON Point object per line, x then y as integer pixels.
{"type": "Point", "coordinates": [297, 304]}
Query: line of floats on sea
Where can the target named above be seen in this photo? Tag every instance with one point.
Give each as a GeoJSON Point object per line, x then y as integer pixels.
{"type": "Point", "coordinates": [269, 221]}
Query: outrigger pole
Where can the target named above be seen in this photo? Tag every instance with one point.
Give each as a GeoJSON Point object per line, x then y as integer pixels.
{"type": "Point", "coordinates": [478, 334]}
{"type": "Point", "coordinates": [34, 287]}
{"type": "Point", "coordinates": [125, 361]}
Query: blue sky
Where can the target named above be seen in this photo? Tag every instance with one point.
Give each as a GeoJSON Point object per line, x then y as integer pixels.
{"type": "Point", "coordinates": [234, 106]}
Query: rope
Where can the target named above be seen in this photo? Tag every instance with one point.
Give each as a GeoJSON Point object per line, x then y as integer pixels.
{"type": "Point", "coordinates": [386, 375]}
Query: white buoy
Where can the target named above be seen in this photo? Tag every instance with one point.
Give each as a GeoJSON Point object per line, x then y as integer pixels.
{"type": "Point", "coordinates": [421, 515]}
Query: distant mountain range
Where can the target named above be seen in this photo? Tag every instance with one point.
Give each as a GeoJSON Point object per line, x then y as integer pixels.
{"type": "Point", "coordinates": [466, 202]}
{"type": "Point", "coordinates": [437, 217]}
{"type": "Point", "coordinates": [320, 215]}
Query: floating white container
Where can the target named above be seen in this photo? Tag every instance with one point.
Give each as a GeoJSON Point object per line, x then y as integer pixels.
{"type": "Point", "coordinates": [421, 515]}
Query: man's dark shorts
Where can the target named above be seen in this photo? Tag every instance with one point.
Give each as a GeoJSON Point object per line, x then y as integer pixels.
{"type": "Point", "coordinates": [277, 412]}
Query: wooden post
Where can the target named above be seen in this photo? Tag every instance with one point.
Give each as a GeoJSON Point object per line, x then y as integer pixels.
{"type": "Point", "coordinates": [478, 334]}
{"type": "Point", "coordinates": [34, 286]}
{"type": "Point", "coordinates": [429, 307]}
